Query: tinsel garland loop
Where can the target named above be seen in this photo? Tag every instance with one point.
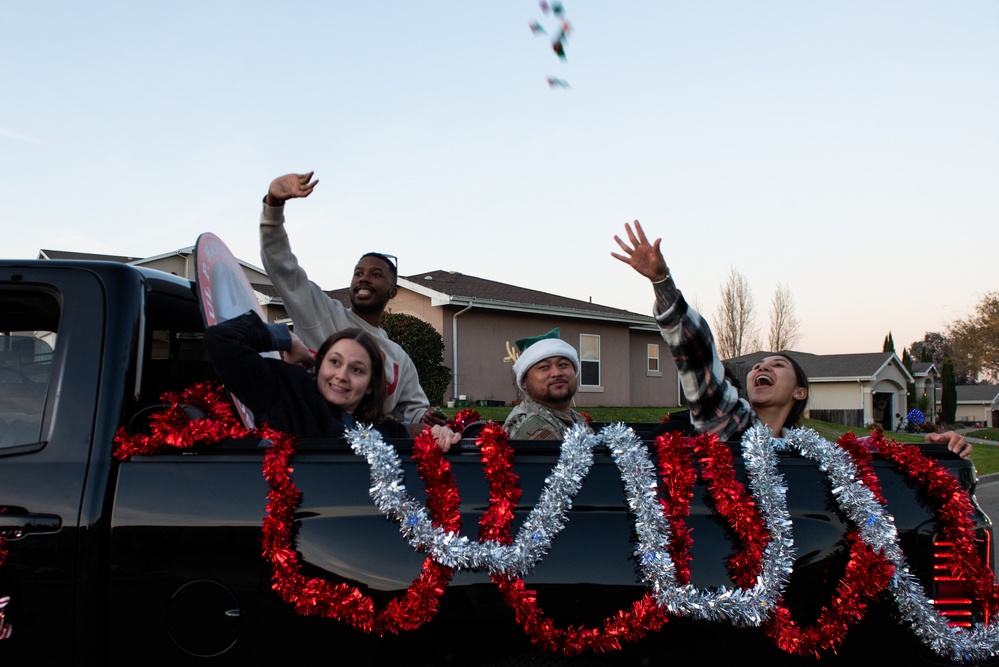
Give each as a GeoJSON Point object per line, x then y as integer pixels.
{"type": "Point", "coordinates": [452, 549]}
{"type": "Point", "coordinates": [173, 428]}
{"type": "Point", "coordinates": [740, 606]}
{"type": "Point", "coordinates": [316, 596]}
{"type": "Point", "coordinates": [496, 524]}
{"type": "Point", "coordinates": [658, 497]}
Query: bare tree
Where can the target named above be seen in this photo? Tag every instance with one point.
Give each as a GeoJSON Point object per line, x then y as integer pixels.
{"type": "Point", "coordinates": [735, 327]}
{"type": "Point", "coordinates": [785, 329]}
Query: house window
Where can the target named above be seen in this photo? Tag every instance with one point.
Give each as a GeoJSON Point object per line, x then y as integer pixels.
{"type": "Point", "coordinates": [652, 353]}
{"type": "Point", "coordinates": [589, 360]}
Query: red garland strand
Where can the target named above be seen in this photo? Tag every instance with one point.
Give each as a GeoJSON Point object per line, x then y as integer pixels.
{"type": "Point", "coordinates": [676, 477]}
{"type": "Point", "coordinates": [315, 596]}
{"type": "Point", "coordinates": [736, 505]}
{"type": "Point", "coordinates": [172, 428]}
{"type": "Point", "coordinates": [496, 524]}
{"type": "Point", "coordinates": [866, 574]}
{"type": "Point", "coordinates": [861, 451]}
{"type": "Point", "coordinates": [462, 419]}
{"type": "Point", "coordinates": [954, 509]}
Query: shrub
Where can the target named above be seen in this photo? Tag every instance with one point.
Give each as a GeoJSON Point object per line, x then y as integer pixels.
{"type": "Point", "coordinates": [425, 346]}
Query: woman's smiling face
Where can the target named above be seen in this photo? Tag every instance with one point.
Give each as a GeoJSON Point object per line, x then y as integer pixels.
{"type": "Point", "coordinates": [772, 382]}
{"type": "Point", "coordinates": [344, 375]}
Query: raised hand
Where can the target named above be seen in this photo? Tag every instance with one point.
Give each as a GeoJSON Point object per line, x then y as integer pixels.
{"type": "Point", "coordinates": [290, 186]}
{"type": "Point", "coordinates": [955, 442]}
{"type": "Point", "coordinates": [298, 353]}
{"type": "Point", "coordinates": [644, 257]}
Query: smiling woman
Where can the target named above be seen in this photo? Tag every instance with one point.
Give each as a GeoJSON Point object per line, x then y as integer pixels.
{"type": "Point", "coordinates": [777, 387]}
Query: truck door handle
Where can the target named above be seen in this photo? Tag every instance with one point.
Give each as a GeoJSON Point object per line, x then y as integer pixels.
{"type": "Point", "coordinates": [19, 525]}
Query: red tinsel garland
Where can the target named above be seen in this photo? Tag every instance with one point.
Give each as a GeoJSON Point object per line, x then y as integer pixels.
{"type": "Point", "coordinates": [866, 574]}
{"type": "Point", "coordinates": [172, 428]}
{"type": "Point", "coordinates": [954, 509]}
{"type": "Point", "coordinates": [676, 479]}
{"type": "Point", "coordinates": [315, 596]}
{"type": "Point", "coordinates": [462, 419]}
{"type": "Point", "coordinates": [644, 616]}
{"type": "Point", "coordinates": [734, 503]}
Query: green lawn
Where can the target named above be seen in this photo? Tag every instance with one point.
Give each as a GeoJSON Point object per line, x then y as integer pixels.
{"type": "Point", "coordinates": [986, 457]}
{"type": "Point", "coordinates": [986, 433]}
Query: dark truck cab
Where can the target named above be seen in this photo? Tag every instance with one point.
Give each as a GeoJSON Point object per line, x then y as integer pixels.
{"type": "Point", "coordinates": [157, 559]}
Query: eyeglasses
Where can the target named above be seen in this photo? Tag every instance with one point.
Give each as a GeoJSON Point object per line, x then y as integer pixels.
{"type": "Point", "coordinates": [391, 260]}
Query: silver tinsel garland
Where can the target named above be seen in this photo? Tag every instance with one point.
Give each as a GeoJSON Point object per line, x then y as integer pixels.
{"type": "Point", "coordinates": [533, 540]}
{"type": "Point", "coordinates": [743, 607]}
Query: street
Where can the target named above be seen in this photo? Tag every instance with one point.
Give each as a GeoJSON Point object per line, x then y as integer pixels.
{"type": "Point", "coordinates": [987, 494]}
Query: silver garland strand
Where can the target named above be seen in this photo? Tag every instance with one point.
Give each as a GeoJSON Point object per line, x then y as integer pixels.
{"type": "Point", "coordinates": [742, 607]}
{"type": "Point", "coordinates": [545, 521]}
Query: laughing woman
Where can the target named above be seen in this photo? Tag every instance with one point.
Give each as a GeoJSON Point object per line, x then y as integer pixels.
{"type": "Point", "coordinates": [777, 387]}
{"type": "Point", "coordinates": [346, 386]}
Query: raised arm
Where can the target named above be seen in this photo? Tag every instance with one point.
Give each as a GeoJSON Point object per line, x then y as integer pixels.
{"type": "Point", "coordinates": [234, 347]}
{"type": "Point", "coordinates": [715, 405]}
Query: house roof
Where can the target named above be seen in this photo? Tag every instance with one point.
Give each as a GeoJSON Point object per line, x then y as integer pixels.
{"type": "Point", "coordinates": [449, 288]}
{"type": "Point", "coordinates": [180, 252]}
{"type": "Point", "coordinates": [977, 393]}
{"type": "Point", "coordinates": [833, 367]}
{"type": "Point", "coordinates": [920, 368]}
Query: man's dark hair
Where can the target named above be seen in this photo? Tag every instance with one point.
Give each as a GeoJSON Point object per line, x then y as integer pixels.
{"type": "Point", "coordinates": [390, 262]}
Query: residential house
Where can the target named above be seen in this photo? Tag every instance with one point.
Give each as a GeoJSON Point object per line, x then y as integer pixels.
{"type": "Point", "coordinates": [178, 262]}
{"type": "Point", "coordinates": [927, 380]}
{"type": "Point", "coordinates": [623, 357]}
{"type": "Point", "coordinates": [851, 389]}
{"type": "Point", "coordinates": [978, 404]}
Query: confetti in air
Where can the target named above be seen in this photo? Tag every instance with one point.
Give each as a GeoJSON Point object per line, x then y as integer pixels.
{"type": "Point", "coordinates": [561, 32]}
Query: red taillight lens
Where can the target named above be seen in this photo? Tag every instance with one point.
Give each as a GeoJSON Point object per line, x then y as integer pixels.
{"type": "Point", "coordinates": [950, 592]}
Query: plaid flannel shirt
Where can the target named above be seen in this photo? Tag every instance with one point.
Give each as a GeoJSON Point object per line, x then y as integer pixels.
{"type": "Point", "coordinates": [715, 406]}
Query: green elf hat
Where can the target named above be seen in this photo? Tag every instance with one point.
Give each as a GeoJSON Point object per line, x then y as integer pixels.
{"type": "Point", "coordinates": [536, 348]}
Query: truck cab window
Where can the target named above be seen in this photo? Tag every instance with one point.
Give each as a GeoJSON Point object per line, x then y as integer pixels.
{"type": "Point", "coordinates": [28, 333]}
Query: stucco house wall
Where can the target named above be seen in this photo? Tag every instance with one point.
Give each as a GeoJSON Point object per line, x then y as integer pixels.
{"type": "Point", "coordinates": [978, 404]}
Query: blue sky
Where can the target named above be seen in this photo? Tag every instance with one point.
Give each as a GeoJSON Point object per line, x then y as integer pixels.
{"type": "Point", "coordinates": [848, 149]}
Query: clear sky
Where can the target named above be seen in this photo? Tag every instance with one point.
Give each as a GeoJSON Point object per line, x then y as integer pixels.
{"type": "Point", "coordinates": [847, 148]}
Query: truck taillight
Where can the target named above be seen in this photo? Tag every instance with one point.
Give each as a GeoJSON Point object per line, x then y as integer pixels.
{"type": "Point", "coordinates": [950, 592]}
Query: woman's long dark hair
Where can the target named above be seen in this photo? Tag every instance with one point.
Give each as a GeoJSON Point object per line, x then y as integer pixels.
{"type": "Point", "coordinates": [369, 410]}
{"type": "Point", "coordinates": [798, 409]}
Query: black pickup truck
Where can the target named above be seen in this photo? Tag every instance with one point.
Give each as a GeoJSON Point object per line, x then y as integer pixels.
{"type": "Point", "coordinates": [182, 556]}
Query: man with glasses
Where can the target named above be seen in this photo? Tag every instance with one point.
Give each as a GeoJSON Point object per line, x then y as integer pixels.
{"type": "Point", "coordinates": [316, 316]}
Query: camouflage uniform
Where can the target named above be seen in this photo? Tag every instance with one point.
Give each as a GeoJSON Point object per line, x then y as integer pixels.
{"type": "Point", "coordinates": [532, 421]}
